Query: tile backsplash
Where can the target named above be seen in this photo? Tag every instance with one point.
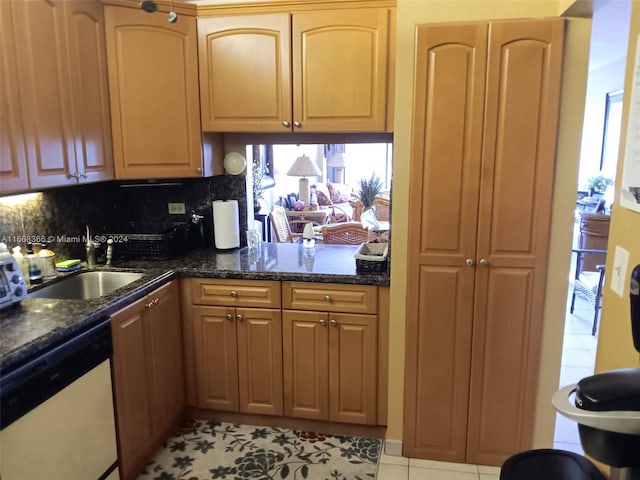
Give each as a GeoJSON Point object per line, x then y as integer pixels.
{"type": "Point", "coordinates": [55, 216]}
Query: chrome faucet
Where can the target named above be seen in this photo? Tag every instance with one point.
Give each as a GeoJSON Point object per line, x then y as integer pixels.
{"type": "Point", "coordinates": [90, 247]}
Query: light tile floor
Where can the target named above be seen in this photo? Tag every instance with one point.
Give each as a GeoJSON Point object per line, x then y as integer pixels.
{"type": "Point", "coordinates": [578, 361]}
{"type": "Point", "coordinates": [402, 468]}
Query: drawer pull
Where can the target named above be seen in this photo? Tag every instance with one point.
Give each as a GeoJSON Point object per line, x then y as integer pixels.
{"type": "Point", "coordinates": [333, 323]}
{"type": "Point", "coordinates": [228, 316]}
{"type": "Point", "coordinates": [327, 298]}
{"type": "Point", "coordinates": [240, 317]}
{"type": "Point", "coordinates": [233, 293]}
{"type": "Point", "coordinates": [323, 323]}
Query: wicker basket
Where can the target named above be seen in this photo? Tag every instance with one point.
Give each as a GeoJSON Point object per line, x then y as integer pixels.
{"type": "Point", "coordinates": [372, 258]}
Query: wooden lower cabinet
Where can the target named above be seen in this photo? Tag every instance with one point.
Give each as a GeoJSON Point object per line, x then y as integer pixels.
{"type": "Point", "coordinates": [295, 349]}
{"type": "Point", "coordinates": [330, 366]}
{"type": "Point", "coordinates": [148, 375]}
{"type": "Point", "coordinates": [238, 359]}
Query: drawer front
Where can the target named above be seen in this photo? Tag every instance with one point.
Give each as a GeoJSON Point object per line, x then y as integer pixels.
{"type": "Point", "coordinates": [330, 297]}
{"type": "Point", "coordinates": [235, 293]}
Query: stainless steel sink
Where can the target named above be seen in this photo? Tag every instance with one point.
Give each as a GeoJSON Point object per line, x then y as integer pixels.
{"type": "Point", "coordinates": [87, 285]}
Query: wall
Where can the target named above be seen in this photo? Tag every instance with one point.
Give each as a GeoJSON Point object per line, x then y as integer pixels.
{"type": "Point", "coordinates": [108, 207]}
{"type": "Point", "coordinates": [410, 13]}
{"type": "Point", "coordinates": [615, 348]}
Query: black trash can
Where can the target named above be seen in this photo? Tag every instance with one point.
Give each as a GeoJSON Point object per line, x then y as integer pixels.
{"type": "Point", "coordinates": [549, 464]}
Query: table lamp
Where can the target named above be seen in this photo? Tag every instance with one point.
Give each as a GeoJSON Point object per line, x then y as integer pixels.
{"type": "Point", "coordinates": [304, 167]}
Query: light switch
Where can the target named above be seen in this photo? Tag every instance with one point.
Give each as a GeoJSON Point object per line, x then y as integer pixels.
{"type": "Point", "coordinates": [619, 274]}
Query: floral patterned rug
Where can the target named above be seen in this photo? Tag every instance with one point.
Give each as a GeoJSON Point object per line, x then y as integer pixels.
{"type": "Point", "coordinates": [212, 450]}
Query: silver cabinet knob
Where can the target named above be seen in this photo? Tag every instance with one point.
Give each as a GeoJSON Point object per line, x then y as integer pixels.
{"type": "Point", "coordinates": [469, 262]}
{"type": "Point", "coordinates": [233, 293]}
{"type": "Point", "coordinates": [199, 170]}
{"type": "Point", "coordinates": [484, 262]}
{"type": "Point", "coordinates": [297, 124]}
{"type": "Point", "coordinates": [286, 124]}
{"type": "Point", "coordinates": [333, 323]}
{"type": "Point", "coordinates": [327, 298]}
{"type": "Point", "coordinates": [323, 322]}
{"type": "Point", "coordinates": [239, 317]}
{"type": "Point", "coordinates": [228, 316]}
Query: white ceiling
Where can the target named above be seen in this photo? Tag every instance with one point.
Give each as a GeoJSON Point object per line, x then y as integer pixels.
{"type": "Point", "coordinates": [610, 32]}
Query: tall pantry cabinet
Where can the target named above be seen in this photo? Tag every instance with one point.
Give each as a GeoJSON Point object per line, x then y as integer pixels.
{"type": "Point", "coordinates": [484, 136]}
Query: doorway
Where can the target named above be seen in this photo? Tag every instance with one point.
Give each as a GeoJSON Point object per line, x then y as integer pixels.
{"type": "Point", "coordinates": [598, 161]}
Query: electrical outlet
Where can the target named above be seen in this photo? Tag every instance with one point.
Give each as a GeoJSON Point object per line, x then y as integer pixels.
{"type": "Point", "coordinates": [177, 209]}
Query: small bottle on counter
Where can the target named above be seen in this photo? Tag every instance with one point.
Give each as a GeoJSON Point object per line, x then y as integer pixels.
{"type": "Point", "coordinates": [24, 266]}
{"type": "Point", "coordinates": [35, 273]}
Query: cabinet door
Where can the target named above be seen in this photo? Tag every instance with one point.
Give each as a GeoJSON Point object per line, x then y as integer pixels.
{"type": "Point", "coordinates": [132, 386]}
{"type": "Point", "coordinates": [445, 172]}
{"type": "Point", "coordinates": [306, 364]}
{"type": "Point", "coordinates": [353, 368]}
{"type": "Point", "coordinates": [44, 91]}
{"type": "Point", "coordinates": [13, 159]}
{"type": "Point", "coordinates": [259, 360]}
{"type": "Point", "coordinates": [522, 99]}
{"type": "Point", "coordinates": [216, 357]}
{"type": "Point", "coordinates": [153, 85]}
{"type": "Point", "coordinates": [245, 73]}
{"type": "Point", "coordinates": [340, 70]}
{"type": "Point", "coordinates": [90, 93]}
{"type": "Point", "coordinates": [164, 336]}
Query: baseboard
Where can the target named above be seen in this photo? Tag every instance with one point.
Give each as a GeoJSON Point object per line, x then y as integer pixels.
{"type": "Point", "coordinates": [319, 426]}
{"type": "Point", "coordinates": [393, 447]}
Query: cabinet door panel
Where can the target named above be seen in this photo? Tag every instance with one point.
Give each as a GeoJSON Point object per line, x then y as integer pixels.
{"type": "Point", "coordinates": [90, 99]}
{"type": "Point", "coordinates": [352, 368]}
{"type": "Point", "coordinates": [132, 386]}
{"type": "Point", "coordinates": [523, 78]}
{"type": "Point", "coordinates": [153, 84]}
{"type": "Point", "coordinates": [505, 339]}
{"type": "Point", "coordinates": [447, 142]}
{"type": "Point", "coordinates": [440, 343]}
{"type": "Point", "coordinates": [44, 94]}
{"type": "Point", "coordinates": [306, 359]}
{"type": "Point", "coordinates": [245, 72]}
{"type": "Point", "coordinates": [260, 361]}
{"type": "Point", "coordinates": [216, 358]}
{"type": "Point", "coordinates": [164, 334]}
{"type": "Point", "coordinates": [340, 69]}
{"type": "Point", "coordinates": [13, 159]}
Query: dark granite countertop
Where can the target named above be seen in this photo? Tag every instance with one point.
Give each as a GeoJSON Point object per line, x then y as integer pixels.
{"type": "Point", "coordinates": [37, 324]}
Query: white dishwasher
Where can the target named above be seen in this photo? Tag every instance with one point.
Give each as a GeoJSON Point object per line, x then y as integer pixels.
{"type": "Point", "coordinates": [57, 414]}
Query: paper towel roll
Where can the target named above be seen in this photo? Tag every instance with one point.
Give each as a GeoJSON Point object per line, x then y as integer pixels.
{"type": "Point", "coordinates": [226, 227]}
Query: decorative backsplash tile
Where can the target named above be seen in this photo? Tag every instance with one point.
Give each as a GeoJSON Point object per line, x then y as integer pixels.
{"type": "Point", "coordinates": [59, 216]}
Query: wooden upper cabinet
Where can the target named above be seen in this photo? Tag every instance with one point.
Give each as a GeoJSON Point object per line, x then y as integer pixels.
{"type": "Point", "coordinates": [60, 61]}
{"type": "Point", "coordinates": [13, 160]}
{"type": "Point", "coordinates": [89, 84]}
{"type": "Point", "coordinates": [245, 73]}
{"type": "Point", "coordinates": [311, 71]}
{"type": "Point", "coordinates": [340, 70]}
{"type": "Point", "coordinates": [153, 85]}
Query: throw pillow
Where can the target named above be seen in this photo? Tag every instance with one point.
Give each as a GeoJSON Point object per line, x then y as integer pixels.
{"type": "Point", "coordinates": [339, 192]}
{"type": "Point", "coordinates": [322, 194]}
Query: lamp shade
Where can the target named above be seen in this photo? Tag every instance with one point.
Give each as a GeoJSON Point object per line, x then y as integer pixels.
{"type": "Point", "coordinates": [304, 167]}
